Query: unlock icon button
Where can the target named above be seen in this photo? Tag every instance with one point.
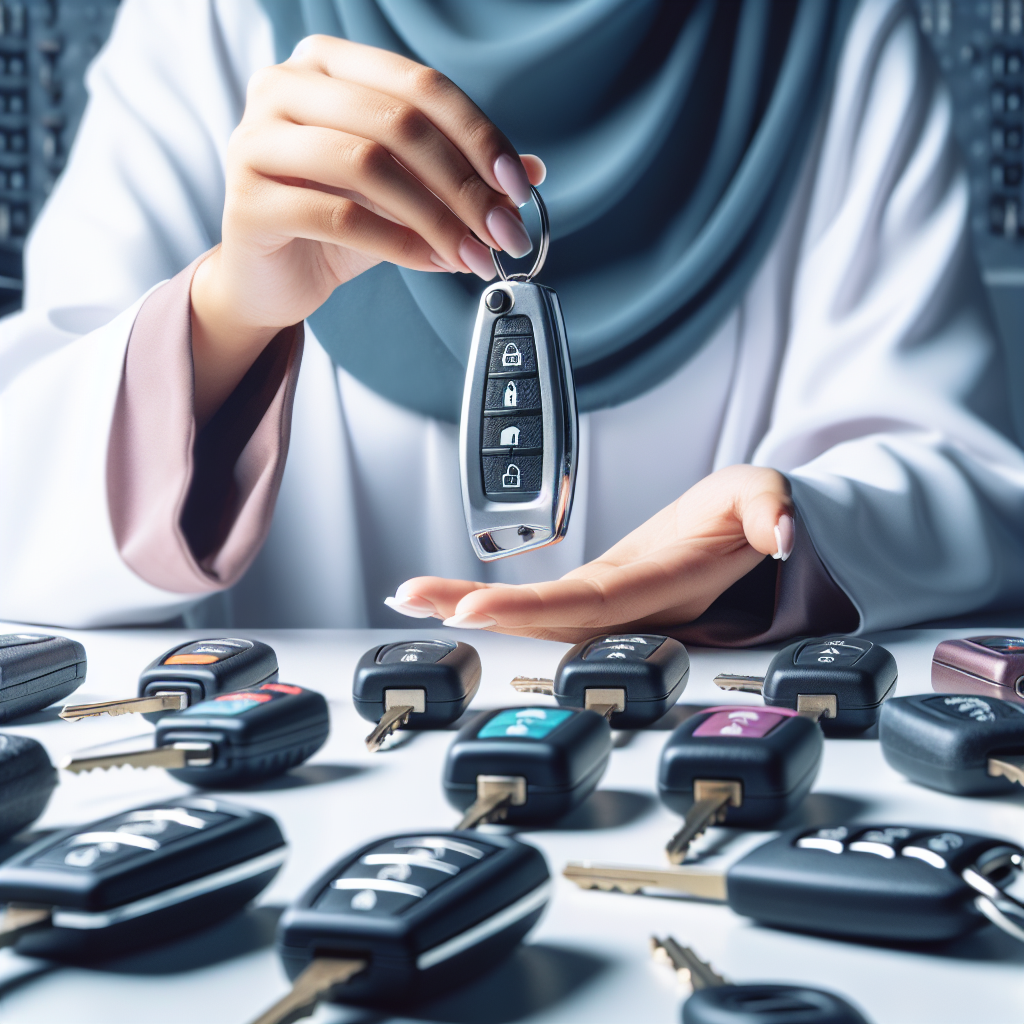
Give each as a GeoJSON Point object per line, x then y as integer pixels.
{"type": "Point", "coordinates": [511, 477]}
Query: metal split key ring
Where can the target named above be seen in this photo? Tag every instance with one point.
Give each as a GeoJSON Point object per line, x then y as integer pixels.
{"type": "Point", "coordinates": [542, 249]}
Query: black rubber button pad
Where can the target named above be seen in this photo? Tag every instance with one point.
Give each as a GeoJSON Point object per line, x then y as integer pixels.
{"type": "Point", "coordinates": [513, 432]}
{"type": "Point", "coordinates": [512, 394]}
{"type": "Point", "coordinates": [512, 475]}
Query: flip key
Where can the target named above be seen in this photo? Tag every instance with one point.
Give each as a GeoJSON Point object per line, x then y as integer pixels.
{"type": "Point", "coordinates": [988, 666]}
{"type": "Point", "coordinates": [716, 1001]}
{"type": "Point", "coordinates": [957, 743]}
{"type": "Point", "coordinates": [888, 883]}
{"type": "Point", "coordinates": [37, 669]}
{"type": "Point", "coordinates": [840, 681]}
{"type": "Point", "coordinates": [233, 739]}
{"type": "Point", "coordinates": [737, 766]}
{"type": "Point", "coordinates": [187, 674]}
{"type": "Point", "coordinates": [136, 879]}
{"type": "Point", "coordinates": [407, 917]}
{"type": "Point", "coordinates": [414, 684]}
{"type": "Point", "coordinates": [26, 781]}
{"type": "Point", "coordinates": [527, 766]}
{"type": "Point", "coordinates": [633, 680]}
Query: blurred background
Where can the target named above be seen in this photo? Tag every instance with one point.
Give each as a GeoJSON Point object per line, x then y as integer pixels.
{"type": "Point", "coordinates": [46, 46]}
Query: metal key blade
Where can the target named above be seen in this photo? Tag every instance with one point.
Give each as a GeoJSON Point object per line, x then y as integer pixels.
{"type": "Point", "coordinates": [494, 795]}
{"type": "Point", "coordinates": [712, 799]}
{"type": "Point", "coordinates": [746, 684]}
{"type": "Point", "coordinates": [1009, 766]}
{"type": "Point", "coordinates": [683, 960]}
{"type": "Point", "coordinates": [527, 684]}
{"type": "Point", "coordinates": [703, 884]}
{"type": "Point", "coordinates": [392, 719]}
{"type": "Point", "coordinates": [180, 755]}
{"type": "Point", "coordinates": [315, 982]}
{"type": "Point", "coordinates": [18, 919]}
{"type": "Point", "coordinates": [177, 700]}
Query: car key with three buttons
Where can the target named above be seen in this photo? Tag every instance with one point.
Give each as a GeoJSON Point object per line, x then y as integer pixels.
{"type": "Point", "coordinates": [519, 436]}
{"type": "Point", "coordinates": [233, 739]}
{"type": "Point", "coordinates": [187, 674]}
{"type": "Point", "coordinates": [885, 883]}
{"type": "Point", "coordinates": [136, 878]}
{"type": "Point", "coordinates": [839, 681]}
{"type": "Point", "coordinates": [414, 684]}
{"type": "Point", "coordinates": [633, 680]}
{"type": "Point", "coordinates": [406, 917]}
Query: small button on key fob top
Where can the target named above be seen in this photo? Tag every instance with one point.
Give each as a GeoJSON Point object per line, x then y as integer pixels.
{"type": "Point", "coordinates": [26, 781]}
{"type": "Point", "coordinates": [957, 743]}
{"type": "Point", "coordinates": [988, 666]}
{"type": "Point", "coordinates": [37, 669]}
{"type": "Point", "coordinates": [424, 911]}
{"type": "Point", "coordinates": [528, 766]}
{"type": "Point", "coordinates": [141, 877]}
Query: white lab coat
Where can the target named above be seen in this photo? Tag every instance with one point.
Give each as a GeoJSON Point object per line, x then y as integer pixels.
{"type": "Point", "coordinates": [860, 362]}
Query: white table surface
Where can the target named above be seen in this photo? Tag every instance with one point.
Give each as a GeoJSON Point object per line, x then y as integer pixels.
{"type": "Point", "coordinates": [588, 959]}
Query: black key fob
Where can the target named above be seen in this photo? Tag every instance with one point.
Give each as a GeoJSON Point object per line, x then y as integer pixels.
{"type": "Point", "coordinates": [26, 781]}
{"type": "Point", "coordinates": [141, 877]}
{"type": "Point", "coordinates": [768, 1004]}
{"type": "Point", "coordinates": [37, 669]}
{"type": "Point", "coordinates": [427, 911]}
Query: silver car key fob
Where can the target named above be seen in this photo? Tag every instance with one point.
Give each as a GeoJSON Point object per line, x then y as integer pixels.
{"type": "Point", "coordinates": [519, 436]}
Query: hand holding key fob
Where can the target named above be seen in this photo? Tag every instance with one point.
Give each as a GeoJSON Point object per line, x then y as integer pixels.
{"type": "Point", "coordinates": [407, 917]}
{"type": "Point", "coordinates": [414, 684]}
{"type": "Point", "coordinates": [989, 666]}
{"type": "Point", "coordinates": [37, 669]}
{"type": "Point", "coordinates": [526, 766]}
{"type": "Point", "coordinates": [962, 744]}
{"type": "Point", "coordinates": [26, 781]}
{"type": "Point", "coordinates": [136, 879]}
{"type": "Point", "coordinates": [233, 739]}
{"type": "Point", "coordinates": [187, 674]}
{"type": "Point", "coordinates": [747, 767]}
{"type": "Point", "coordinates": [840, 682]}
{"type": "Point", "coordinates": [633, 680]}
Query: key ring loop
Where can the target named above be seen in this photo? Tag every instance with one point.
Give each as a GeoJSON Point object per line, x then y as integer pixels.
{"type": "Point", "coordinates": [1003, 910]}
{"type": "Point", "coordinates": [542, 249]}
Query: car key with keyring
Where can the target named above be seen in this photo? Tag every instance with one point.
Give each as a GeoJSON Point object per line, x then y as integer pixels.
{"type": "Point", "coordinates": [407, 917]}
{"type": "Point", "coordinates": [37, 669]}
{"type": "Point", "coordinates": [883, 883]}
{"type": "Point", "coordinates": [717, 1001]}
{"type": "Point", "coordinates": [136, 879]}
{"type": "Point", "coordinates": [187, 674]}
{"type": "Point", "coordinates": [519, 435]}
{"type": "Point", "coordinates": [989, 666]}
{"type": "Point", "coordinates": [956, 743]}
{"type": "Point", "coordinates": [414, 684]}
{"type": "Point", "coordinates": [233, 739]}
{"type": "Point", "coordinates": [631, 679]}
{"type": "Point", "coordinates": [839, 681]}
{"type": "Point", "coordinates": [739, 766]}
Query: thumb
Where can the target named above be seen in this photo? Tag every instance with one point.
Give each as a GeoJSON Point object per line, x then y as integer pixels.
{"type": "Point", "coordinates": [767, 516]}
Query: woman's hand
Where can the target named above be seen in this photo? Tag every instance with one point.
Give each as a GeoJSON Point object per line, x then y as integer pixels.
{"type": "Point", "coordinates": [346, 156]}
{"type": "Point", "coordinates": [663, 575]}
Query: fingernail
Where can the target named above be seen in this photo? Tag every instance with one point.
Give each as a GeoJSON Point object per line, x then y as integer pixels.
{"type": "Point", "coordinates": [508, 232]}
{"type": "Point", "coordinates": [512, 178]}
{"type": "Point", "coordinates": [785, 535]}
{"type": "Point", "coordinates": [470, 620]}
{"type": "Point", "coordinates": [443, 264]}
{"type": "Point", "coordinates": [477, 257]}
{"type": "Point", "coordinates": [415, 607]}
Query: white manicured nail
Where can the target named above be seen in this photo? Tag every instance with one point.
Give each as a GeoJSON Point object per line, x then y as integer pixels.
{"type": "Point", "coordinates": [470, 620]}
{"type": "Point", "coordinates": [415, 607]}
{"type": "Point", "coordinates": [785, 535]}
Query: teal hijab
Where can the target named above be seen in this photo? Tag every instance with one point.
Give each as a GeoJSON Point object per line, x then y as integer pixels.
{"type": "Point", "coordinates": [673, 132]}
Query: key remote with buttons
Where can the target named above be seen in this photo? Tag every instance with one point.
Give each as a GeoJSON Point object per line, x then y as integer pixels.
{"type": "Point", "coordinates": [37, 669]}
{"type": "Point", "coordinates": [519, 434]}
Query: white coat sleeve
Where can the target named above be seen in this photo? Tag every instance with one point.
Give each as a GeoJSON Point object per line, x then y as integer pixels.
{"type": "Point", "coordinates": [140, 199]}
{"type": "Point", "coordinates": [891, 416]}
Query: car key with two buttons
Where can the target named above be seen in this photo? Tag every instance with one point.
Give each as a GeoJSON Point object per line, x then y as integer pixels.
{"type": "Point", "coordinates": [716, 1001]}
{"type": "Point", "coordinates": [187, 674]}
{"type": "Point", "coordinates": [884, 883]}
{"type": "Point", "coordinates": [37, 669]}
{"type": "Point", "coordinates": [631, 680]}
{"type": "Point", "coordinates": [839, 681]}
{"type": "Point", "coordinates": [526, 766]}
{"type": "Point", "coordinates": [747, 767]}
{"type": "Point", "coordinates": [519, 436]}
{"type": "Point", "coordinates": [407, 917]}
{"type": "Point", "coordinates": [414, 684]}
{"type": "Point", "coordinates": [233, 739]}
{"type": "Point", "coordinates": [136, 879]}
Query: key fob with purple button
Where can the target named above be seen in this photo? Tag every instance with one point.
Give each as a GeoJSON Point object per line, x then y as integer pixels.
{"type": "Point", "coordinates": [987, 666]}
{"type": "Point", "coordinates": [37, 669]}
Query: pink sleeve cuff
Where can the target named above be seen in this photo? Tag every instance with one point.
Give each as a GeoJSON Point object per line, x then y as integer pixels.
{"type": "Point", "coordinates": [189, 512]}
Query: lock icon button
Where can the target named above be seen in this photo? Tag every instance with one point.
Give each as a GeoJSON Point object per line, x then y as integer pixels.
{"type": "Point", "coordinates": [511, 395]}
{"type": "Point", "coordinates": [511, 478]}
{"type": "Point", "coordinates": [512, 356]}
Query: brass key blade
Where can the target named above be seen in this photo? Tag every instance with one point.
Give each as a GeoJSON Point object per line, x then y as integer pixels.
{"type": "Point", "coordinates": [1012, 767]}
{"type": "Point", "coordinates": [712, 799]}
{"type": "Point", "coordinates": [704, 884]}
{"type": "Point", "coordinates": [180, 755]}
{"type": "Point", "coordinates": [683, 960]}
{"type": "Point", "coordinates": [392, 719]}
{"type": "Point", "coordinates": [315, 982]}
{"type": "Point", "coordinates": [494, 795]}
{"type": "Point", "coordinates": [177, 700]}
{"type": "Point", "coordinates": [746, 684]}
{"type": "Point", "coordinates": [18, 919]}
{"type": "Point", "coordinates": [527, 684]}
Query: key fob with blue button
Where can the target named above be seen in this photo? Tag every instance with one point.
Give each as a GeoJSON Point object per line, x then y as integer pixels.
{"type": "Point", "coordinates": [139, 878]}
{"type": "Point", "coordinates": [37, 669]}
{"type": "Point", "coordinates": [546, 761]}
{"type": "Point", "coordinates": [424, 911]}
